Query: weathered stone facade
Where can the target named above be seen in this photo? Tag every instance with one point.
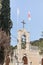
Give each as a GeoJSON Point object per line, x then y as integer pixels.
{"type": "Point", "coordinates": [28, 56]}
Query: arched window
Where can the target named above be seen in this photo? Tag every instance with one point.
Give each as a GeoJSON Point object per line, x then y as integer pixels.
{"type": "Point", "coordinates": [23, 38]}
{"type": "Point", "coordinates": [25, 60]}
{"type": "Point", "coordinates": [23, 41]}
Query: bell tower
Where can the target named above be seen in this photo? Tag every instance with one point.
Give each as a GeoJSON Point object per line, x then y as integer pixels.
{"type": "Point", "coordinates": [23, 39]}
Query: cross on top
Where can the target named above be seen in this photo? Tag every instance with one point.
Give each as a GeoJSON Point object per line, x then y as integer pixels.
{"type": "Point", "coordinates": [23, 23]}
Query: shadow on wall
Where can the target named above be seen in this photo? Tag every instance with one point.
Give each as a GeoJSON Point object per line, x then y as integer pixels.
{"type": "Point", "coordinates": [2, 55]}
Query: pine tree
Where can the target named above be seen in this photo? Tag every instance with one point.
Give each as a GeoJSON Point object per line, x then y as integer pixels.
{"type": "Point", "coordinates": [5, 26]}
{"type": "Point", "coordinates": [5, 21]}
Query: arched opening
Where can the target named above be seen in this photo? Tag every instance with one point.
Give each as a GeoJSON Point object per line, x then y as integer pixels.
{"type": "Point", "coordinates": [24, 38]}
{"type": "Point", "coordinates": [1, 55]}
{"type": "Point", "coordinates": [23, 41]}
{"type": "Point", "coordinates": [25, 61]}
{"type": "Point", "coordinates": [42, 62]}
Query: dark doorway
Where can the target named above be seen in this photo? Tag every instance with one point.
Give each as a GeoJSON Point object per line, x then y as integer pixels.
{"type": "Point", "coordinates": [25, 61]}
{"type": "Point", "coordinates": [42, 62]}
{"type": "Point", "coordinates": [1, 55]}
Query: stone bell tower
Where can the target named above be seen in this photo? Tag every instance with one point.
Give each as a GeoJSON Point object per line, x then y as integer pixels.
{"type": "Point", "coordinates": [23, 37]}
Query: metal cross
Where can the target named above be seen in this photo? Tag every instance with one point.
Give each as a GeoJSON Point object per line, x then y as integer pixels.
{"type": "Point", "coordinates": [23, 23]}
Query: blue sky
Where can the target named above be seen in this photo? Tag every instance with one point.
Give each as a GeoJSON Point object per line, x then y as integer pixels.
{"type": "Point", "coordinates": [35, 26]}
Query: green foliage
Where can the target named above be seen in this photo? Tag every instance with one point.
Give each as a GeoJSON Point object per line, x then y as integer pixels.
{"type": "Point", "coordinates": [38, 43]}
{"type": "Point", "coordinates": [13, 47]}
{"type": "Point", "coordinates": [41, 52]}
{"type": "Point", "coordinates": [5, 21]}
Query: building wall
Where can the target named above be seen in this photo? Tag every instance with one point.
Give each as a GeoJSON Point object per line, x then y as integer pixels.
{"type": "Point", "coordinates": [33, 57]}
{"type": "Point", "coordinates": [30, 52]}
